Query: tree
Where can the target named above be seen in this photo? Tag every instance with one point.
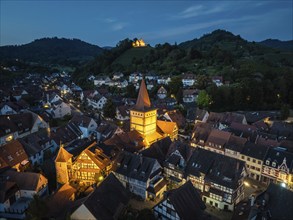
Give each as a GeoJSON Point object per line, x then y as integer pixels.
{"type": "Point", "coordinates": [131, 91]}
{"type": "Point", "coordinates": [109, 109]}
{"type": "Point", "coordinates": [175, 85]}
{"type": "Point", "coordinates": [202, 81]}
{"type": "Point", "coordinates": [203, 99]}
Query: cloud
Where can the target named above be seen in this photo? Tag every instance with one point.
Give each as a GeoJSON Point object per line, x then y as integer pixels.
{"type": "Point", "coordinates": [118, 26]}
{"type": "Point", "coordinates": [186, 29]}
{"type": "Point", "coordinates": [109, 20]}
{"type": "Point", "coordinates": [114, 24]}
{"type": "Point", "coordinates": [198, 10]}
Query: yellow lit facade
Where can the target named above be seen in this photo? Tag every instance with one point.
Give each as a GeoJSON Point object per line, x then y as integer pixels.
{"type": "Point", "coordinates": [89, 167]}
{"type": "Point", "coordinates": [143, 122]}
{"type": "Point", "coordinates": [138, 43]}
{"type": "Point", "coordinates": [143, 119]}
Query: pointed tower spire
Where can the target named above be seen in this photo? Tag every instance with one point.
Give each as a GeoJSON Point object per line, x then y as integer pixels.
{"type": "Point", "coordinates": [143, 99]}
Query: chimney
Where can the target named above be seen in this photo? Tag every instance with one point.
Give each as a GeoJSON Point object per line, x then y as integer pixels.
{"type": "Point", "coordinates": [237, 166]}
{"type": "Point", "coordinates": [252, 201]}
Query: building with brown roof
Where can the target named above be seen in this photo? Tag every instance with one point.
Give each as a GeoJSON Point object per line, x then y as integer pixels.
{"type": "Point", "coordinates": [13, 155]}
{"type": "Point", "coordinates": [217, 140]}
{"type": "Point", "coordinates": [60, 202]}
{"type": "Point", "coordinates": [29, 183]}
{"type": "Point", "coordinates": [19, 125]}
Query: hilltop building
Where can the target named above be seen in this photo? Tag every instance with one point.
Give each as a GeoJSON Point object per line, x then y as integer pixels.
{"type": "Point", "coordinates": [139, 43]}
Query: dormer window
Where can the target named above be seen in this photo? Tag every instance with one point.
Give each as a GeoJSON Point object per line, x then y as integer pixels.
{"type": "Point", "coordinates": [7, 130]}
{"type": "Point", "coordinates": [267, 162]}
{"type": "Point", "coordinates": [274, 164]}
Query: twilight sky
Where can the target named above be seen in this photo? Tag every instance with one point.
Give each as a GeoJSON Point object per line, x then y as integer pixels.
{"type": "Point", "coordinates": [105, 23]}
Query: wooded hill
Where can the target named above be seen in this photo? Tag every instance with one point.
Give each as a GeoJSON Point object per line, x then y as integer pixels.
{"type": "Point", "coordinates": [55, 50]}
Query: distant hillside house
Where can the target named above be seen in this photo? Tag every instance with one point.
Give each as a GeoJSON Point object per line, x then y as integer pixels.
{"type": "Point", "coordinates": [139, 43]}
{"type": "Point", "coordinates": [162, 93]}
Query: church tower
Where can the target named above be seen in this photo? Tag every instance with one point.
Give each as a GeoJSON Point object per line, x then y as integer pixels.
{"type": "Point", "coordinates": [63, 163]}
{"type": "Point", "coordinates": [143, 118]}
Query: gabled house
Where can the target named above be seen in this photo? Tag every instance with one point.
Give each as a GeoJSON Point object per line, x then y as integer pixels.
{"type": "Point", "coordinates": [176, 161]}
{"type": "Point", "coordinates": [91, 166]}
{"type": "Point", "coordinates": [188, 79]}
{"type": "Point", "coordinates": [29, 183]}
{"type": "Point", "coordinates": [162, 93]}
{"type": "Point", "coordinates": [190, 95]}
{"type": "Point", "coordinates": [278, 167]}
{"type": "Point", "coordinates": [66, 134]}
{"type": "Point", "coordinates": [97, 102]}
{"type": "Point", "coordinates": [218, 177]}
{"type": "Point", "coordinates": [86, 124]}
{"type": "Point", "coordinates": [10, 108]}
{"type": "Point", "coordinates": [107, 201]}
{"type": "Point", "coordinates": [19, 125]}
{"type": "Point", "coordinates": [88, 167]}
{"type": "Point", "coordinates": [59, 109]}
{"type": "Point", "coordinates": [181, 203]}
{"type": "Point", "coordinates": [140, 175]}
{"type": "Point", "coordinates": [51, 97]}
{"type": "Point", "coordinates": [37, 144]}
{"type": "Point", "coordinates": [13, 155]}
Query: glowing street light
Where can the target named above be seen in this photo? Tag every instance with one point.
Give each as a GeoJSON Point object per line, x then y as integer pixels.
{"type": "Point", "coordinates": [246, 183]}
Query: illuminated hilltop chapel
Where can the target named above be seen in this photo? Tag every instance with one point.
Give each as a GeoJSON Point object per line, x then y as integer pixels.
{"type": "Point", "coordinates": [143, 119]}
